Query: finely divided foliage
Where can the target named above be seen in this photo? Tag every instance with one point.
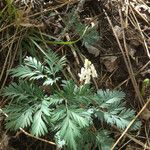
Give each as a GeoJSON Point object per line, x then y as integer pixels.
{"type": "Point", "coordinates": [68, 112]}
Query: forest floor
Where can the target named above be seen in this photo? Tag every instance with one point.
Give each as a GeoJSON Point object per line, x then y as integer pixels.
{"type": "Point", "coordinates": [118, 44]}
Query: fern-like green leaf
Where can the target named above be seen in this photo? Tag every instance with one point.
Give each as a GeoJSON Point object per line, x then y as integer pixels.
{"type": "Point", "coordinates": [35, 70]}
{"type": "Point", "coordinates": [15, 91]}
{"type": "Point", "coordinates": [81, 117]}
{"type": "Point", "coordinates": [33, 63]}
{"type": "Point", "coordinates": [38, 127]}
{"type": "Point", "coordinates": [54, 62]}
{"type": "Point", "coordinates": [103, 140]}
{"type": "Point", "coordinates": [69, 132]}
{"type": "Point", "coordinates": [54, 100]}
{"type": "Point", "coordinates": [107, 98]}
{"type": "Point", "coordinates": [44, 107]}
{"type": "Point", "coordinates": [23, 91]}
{"type": "Point", "coordinates": [18, 116]}
{"type": "Point", "coordinates": [71, 124]}
{"type": "Point", "coordinates": [58, 115]}
{"type": "Point", "coordinates": [91, 35]}
{"type": "Point", "coordinates": [25, 119]}
{"type": "Point", "coordinates": [112, 110]}
{"type": "Point", "coordinates": [95, 139]}
{"type": "Point", "coordinates": [121, 118]}
{"type": "Point", "coordinates": [32, 69]}
{"type": "Point", "coordinates": [74, 94]}
{"type": "Point", "coordinates": [50, 81]}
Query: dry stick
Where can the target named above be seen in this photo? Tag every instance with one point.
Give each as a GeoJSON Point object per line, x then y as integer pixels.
{"type": "Point", "coordinates": [8, 42]}
{"type": "Point", "coordinates": [138, 13]}
{"type": "Point", "coordinates": [10, 66]}
{"type": "Point", "coordinates": [132, 79]}
{"type": "Point", "coordinates": [144, 41]}
{"type": "Point", "coordinates": [134, 139]}
{"type": "Point", "coordinates": [55, 7]}
{"type": "Point", "coordinates": [73, 50]}
{"type": "Point", "coordinates": [8, 53]}
{"type": "Point", "coordinates": [126, 12]}
{"type": "Point", "coordinates": [28, 134]}
{"type": "Point", "coordinates": [129, 65]}
{"type": "Point", "coordinates": [130, 124]}
{"type": "Point", "coordinates": [147, 133]}
{"type": "Point", "coordinates": [6, 27]}
{"type": "Point", "coordinates": [127, 61]}
{"type": "Point", "coordinates": [71, 74]}
{"type": "Point", "coordinates": [137, 141]}
{"type": "Point", "coordinates": [43, 140]}
{"type": "Point", "coordinates": [140, 70]}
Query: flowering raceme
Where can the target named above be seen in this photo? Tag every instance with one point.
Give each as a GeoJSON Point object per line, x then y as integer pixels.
{"type": "Point", "coordinates": [87, 72]}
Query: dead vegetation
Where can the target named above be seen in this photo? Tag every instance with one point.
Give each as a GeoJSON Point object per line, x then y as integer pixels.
{"type": "Point", "coordinates": [117, 43]}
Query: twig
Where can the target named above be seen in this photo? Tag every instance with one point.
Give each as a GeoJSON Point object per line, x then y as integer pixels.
{"type": "Point", "coordinates": [43, 140]}
{"type": "Point", "coordinates": [28, 134]}
{"type": "Point", "coordinates": [140, 70]}
{"type": "Point", "coordinates": [126, 59]}
{"type": "Point", "coordinates": [130, 124]}
{"type": "Point", "coordinates": [54, 7]}
{"type": "Point", "coordinates": [141, 33]}
{"type": "Point", "coordinates": [129, 65]}
{"type": "Point", "coordinates": [137, 141]}
{"type": "Point", "coordinates": [8, 54]}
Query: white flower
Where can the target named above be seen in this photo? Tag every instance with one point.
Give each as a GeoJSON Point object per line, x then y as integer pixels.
{"type": "Point", "coordinates": [87, 63]}
{"type": "Point", "coordinates": [82, 74]}
{"type": "Point", "coordinates": [87, 72]}
{"type": "Point", "coordinates": [94, 73]}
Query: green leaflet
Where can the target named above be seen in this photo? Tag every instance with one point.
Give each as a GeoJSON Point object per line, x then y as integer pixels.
{"type": "Point", "coordinates": [23, 91]}
{"type": "Point", "coordinates": [35, 70]}
{"type": "Point", "coordinates": [18, 116]}
{"type": "Point", "coordinates": [111, 109]}
{"type": "Point", "coordinates": [72, 125]}
{"type": "Point", "coordinates": [74, 94]}
{"type": "Point", "coordinates": [103, 140]}
{"type": "Point", "coordinates": [38, 127]}
{"type": "Point", "coordinates": [98, 139]}
{"type": "Point", "coordinates": [70, 132]}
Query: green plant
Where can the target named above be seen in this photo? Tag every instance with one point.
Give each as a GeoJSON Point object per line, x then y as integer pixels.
{"type": "Point", "coordinates": [73, 114]}
{"type": "Point", "coordinates": [145, 84]}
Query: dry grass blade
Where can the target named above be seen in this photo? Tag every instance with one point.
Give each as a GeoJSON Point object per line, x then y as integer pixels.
{"type": "Point", "coordinates": [140, 70]}
{"type": "Point", "coordinates": [130, 124]}
{"type": "Point", "coordinates": [55, 7]}
{"type": "Point", "coordinates": [137, 26]}
{"type": "Point", "coordinates": [126, 58]}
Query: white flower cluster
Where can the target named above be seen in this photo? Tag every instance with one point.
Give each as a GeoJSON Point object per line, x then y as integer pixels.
{"type": "Point", "coordinates": [87, 72]}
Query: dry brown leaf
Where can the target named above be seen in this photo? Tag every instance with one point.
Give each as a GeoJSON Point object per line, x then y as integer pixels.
{"type": "Point", "coordinates": [93, 50]}
{"type": "Point", "coordinates": [145, 115]}
{"type": "Point", "coordinates": [131, 51]}
{"type": "Point", "coordinates": [110, 63]}
{"type": "Point", "coordinates": [118, 30]}
{"type": "Point", "coordinates": [135, 42]}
